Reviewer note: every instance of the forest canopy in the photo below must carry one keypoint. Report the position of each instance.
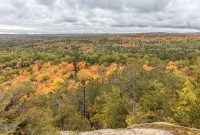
(79, 83)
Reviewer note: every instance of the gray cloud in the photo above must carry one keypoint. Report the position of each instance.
(46, 2)
(72, 16)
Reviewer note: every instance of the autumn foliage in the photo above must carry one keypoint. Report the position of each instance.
(84, 83)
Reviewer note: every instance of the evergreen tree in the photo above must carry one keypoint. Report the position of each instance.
(115, 109)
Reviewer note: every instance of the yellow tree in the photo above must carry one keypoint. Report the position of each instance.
(187, 97)
(84, 75)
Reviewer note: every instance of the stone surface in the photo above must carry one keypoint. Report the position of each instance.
(134, 131)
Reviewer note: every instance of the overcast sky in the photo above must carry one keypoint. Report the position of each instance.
(99, 16)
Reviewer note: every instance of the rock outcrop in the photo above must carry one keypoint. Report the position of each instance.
(134, 131)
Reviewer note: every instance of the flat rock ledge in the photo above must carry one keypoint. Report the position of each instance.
(134, 131)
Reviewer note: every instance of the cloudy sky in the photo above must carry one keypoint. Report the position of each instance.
(99, 16)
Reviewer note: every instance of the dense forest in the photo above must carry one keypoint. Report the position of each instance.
(59, 83)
